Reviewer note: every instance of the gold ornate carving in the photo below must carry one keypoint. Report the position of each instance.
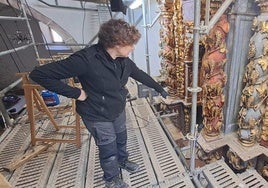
(264, 133)
(253, 114)
(166, 44)
(264, 171)
(263, 4)
(214, 78)
(264, 27)
(209, 157)
(214, 6)
(237, 162)
(179, 47)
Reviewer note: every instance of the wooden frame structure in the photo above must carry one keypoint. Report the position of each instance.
(33, 98)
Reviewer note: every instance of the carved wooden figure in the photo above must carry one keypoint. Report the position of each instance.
(214, 78)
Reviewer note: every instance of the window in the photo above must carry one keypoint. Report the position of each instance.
(55, 36)
(52, 39)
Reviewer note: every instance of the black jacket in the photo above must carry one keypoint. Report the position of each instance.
(99, 77)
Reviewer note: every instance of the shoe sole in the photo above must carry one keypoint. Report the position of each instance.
(134, 171)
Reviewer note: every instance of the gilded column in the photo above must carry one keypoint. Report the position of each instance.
(179, 48)
(253, 115)
(213, 76)
(167, 44)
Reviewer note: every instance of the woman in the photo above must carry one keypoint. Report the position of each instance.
(103, 71)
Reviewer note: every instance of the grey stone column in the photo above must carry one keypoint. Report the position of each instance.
(241, 18)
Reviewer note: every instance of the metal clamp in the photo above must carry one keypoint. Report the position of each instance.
(191, 137)
(194, 90)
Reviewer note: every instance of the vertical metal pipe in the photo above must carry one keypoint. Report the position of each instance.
(207, 12)
(149, 10)
(30, 30)
(146, 44)
(197, 7)
(131, 20)
(146, 37)
(6, 118)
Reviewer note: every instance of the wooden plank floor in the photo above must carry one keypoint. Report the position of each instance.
(65, 165)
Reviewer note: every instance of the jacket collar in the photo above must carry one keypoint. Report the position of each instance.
(107, 60)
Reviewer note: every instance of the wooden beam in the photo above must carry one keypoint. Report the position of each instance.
(3, 182)
(27, 156)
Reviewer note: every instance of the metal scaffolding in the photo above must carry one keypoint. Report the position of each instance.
(6, 117)
(198, 28)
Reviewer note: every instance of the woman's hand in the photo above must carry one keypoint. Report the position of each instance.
(83, 96)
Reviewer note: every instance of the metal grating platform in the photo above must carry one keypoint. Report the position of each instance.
(252, 179)
(64, 165)
(34, 173)
(17, 140)
(138, 153)
(94, 172)
(218, 174)
(69, 167)
(162, 156)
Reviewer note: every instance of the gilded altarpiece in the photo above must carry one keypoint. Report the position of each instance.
(176, 42)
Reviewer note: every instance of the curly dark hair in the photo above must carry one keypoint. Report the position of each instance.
(117, 32)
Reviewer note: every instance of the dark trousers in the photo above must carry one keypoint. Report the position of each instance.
(111, 139)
